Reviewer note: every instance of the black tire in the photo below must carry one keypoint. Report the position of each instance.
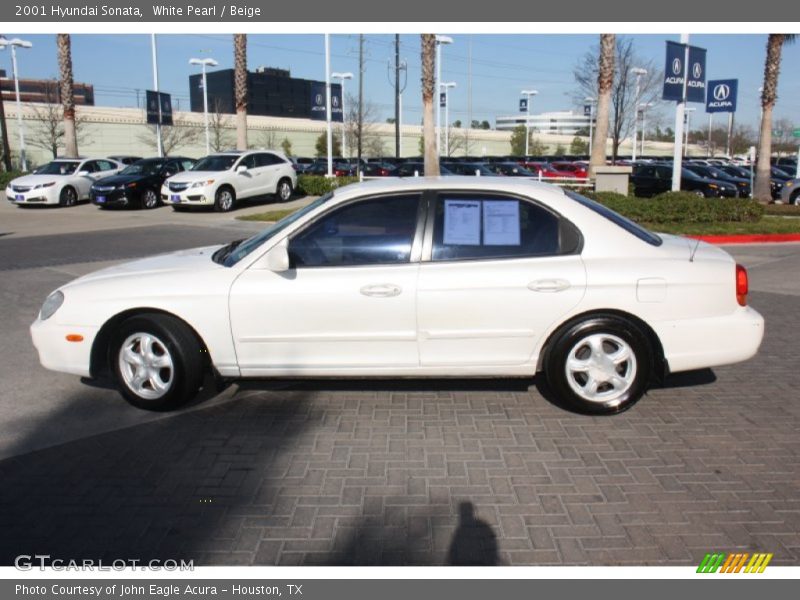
(225, 199)
(68, 196)
(178, 342)
(284, 191)
(149, 199)
(573, 338)
(795, 198)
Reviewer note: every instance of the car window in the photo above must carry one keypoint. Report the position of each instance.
(186, 164)
(468, 226)
(616, 218)
(267, 159)
(90, 166)
(368, 232)
(105, 165)
(248, 161)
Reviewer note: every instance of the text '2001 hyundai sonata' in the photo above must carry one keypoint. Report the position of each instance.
(444, 277)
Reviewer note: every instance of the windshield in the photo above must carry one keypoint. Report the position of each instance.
(215, 162)
(250, 244)
(150, 167)
(58, 167)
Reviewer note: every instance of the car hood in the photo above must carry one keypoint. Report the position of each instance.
(192, 176)
(121, 179)
(193, 261)
(31, 180)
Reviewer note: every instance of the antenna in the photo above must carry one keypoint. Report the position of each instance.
(694, 250)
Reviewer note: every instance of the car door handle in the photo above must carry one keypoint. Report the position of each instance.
(382, 290)
(549, 285)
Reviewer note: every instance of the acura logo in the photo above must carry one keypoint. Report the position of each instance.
(335, 102)
(721, 92)
(318, 99)
(697, 70)
(676, 66)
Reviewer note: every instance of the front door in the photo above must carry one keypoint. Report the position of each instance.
(348, 303)
(501, 272)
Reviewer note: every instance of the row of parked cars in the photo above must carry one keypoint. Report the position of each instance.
(219, 180)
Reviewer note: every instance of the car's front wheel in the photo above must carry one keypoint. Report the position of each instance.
(795, 198)
(224, 200)
(149, 199)
(599, 365)
(68, 196)
(284, 191)
(157, 362)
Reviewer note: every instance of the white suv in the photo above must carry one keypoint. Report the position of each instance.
(223, 178)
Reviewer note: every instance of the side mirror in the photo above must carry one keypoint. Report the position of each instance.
(167, 173)
(278, 258)
(83, 173)
(241, 169)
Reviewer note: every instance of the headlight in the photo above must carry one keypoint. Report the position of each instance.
(44, 185)
(131, 184)
(198, 184)
(713, 186)
(51, 305)
(789, 183)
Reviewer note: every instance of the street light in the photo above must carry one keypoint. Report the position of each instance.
(528, 94)
(341, 77)
(441, 40)
(203, 63)
(446, 87)
(592, 101)
(643, 106)
(688, 113)
(14, 44)
(638, 71)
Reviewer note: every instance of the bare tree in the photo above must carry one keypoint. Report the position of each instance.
(49, 131)
(240, 88)
(181, 134)
(364, 135)
(611, 78)
(64, 44)
(428, 43)
(219, 125)
(268, 138)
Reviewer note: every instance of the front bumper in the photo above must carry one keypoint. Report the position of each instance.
(114, 197)
(711, 342)
(56, 353)
(33, 196)
(191, 196)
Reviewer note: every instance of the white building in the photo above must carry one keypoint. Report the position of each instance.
(565, 122)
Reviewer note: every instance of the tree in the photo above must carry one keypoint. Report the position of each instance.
(366, 134)
(64, 45)
(486, 125)
(219, 125)
(48, 130)
(612, 76)
(181, 134)
(240, 88)
(321, 146)
(560, 150)
(783, 142)
(518, 143)
(772, 67)
(286, 146)
(428, 43)
(457, 143)
(578, 146)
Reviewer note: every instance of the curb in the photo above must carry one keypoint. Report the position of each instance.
(764, 238)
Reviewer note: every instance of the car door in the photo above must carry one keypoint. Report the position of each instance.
(247, 182)
(86, 174)
(644, 181)
(348, 303)
(497, 273)
(273, 169)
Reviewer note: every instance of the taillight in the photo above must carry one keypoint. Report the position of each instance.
(742, 285)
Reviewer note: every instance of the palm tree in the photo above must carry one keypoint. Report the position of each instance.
(240, 88)
(772, 66)
(428, 79)
(605, 83)
(67, 98)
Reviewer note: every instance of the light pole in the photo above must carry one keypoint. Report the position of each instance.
(441, 40)
(14, 43)
(528, 94)
(592, 101)
(341, 77)
(688, 112)
(638, 71)
(159, 147)
(643, 106)
(446, 87)
(677, 154)
(203, 63)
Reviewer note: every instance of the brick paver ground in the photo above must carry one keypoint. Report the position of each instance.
(433, 473)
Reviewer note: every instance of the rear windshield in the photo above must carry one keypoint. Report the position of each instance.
(616, 218)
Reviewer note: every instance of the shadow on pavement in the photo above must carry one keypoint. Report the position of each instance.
(393, 385)
(474, 542)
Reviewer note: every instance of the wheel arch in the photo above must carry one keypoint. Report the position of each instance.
(99, 358)
(660, 363)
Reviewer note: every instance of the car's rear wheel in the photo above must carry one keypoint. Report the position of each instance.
(599, 365)
(68, 196)
(149, 199)
(224, 200)
(284, 191)
(157, 362)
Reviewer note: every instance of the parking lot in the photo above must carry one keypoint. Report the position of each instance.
(358, 472)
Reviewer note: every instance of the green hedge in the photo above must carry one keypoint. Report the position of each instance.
(7, 176)
(783, 210)
(682, 207)
(317, 185)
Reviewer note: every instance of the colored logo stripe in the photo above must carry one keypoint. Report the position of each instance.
(734, 563)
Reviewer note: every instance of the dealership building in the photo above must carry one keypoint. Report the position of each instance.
(43, 90)
(564, 122)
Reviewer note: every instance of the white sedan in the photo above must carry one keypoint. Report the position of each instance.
(64, 181)
(442, 277)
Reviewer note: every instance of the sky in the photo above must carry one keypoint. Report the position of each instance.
(118, 65)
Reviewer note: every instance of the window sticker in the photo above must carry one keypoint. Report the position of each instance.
(462, 222)
(501, 223)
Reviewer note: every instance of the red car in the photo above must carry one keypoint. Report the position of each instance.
(576, 169)
(545, 169)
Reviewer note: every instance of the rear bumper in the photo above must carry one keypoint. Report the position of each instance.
(711, 342)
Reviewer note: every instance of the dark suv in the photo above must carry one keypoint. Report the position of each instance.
(651, 180)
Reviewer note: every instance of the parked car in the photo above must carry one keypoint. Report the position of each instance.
(510, 169)
(545, 169)
(339, 169)
(221, 180)
(776, 183)
(790, 194)
(125, 159)
(302, 163)
(138, 184)
(376, 169)
(710, 172)
(650, 180)
(410, 169)
(64, 181)
(469, 168)
(576, 170)
(512, 278)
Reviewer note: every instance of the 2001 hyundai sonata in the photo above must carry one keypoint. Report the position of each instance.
(447, 277)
